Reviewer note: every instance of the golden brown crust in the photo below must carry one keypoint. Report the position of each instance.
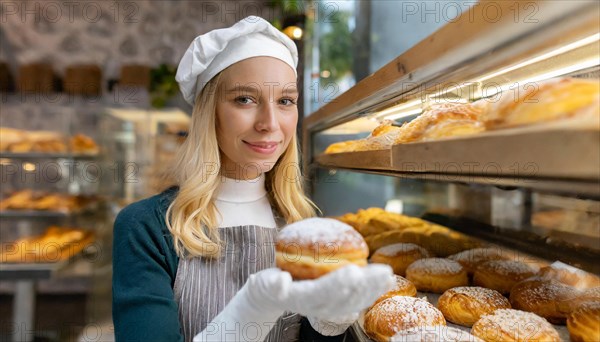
(501, 275)
(437, 114)
(569, 275)
(469, 259)
(311, 248)
(584, 323)
(399, 256)
(436, 274)
(55, 244)
(542, 297)
(398, 313)
(508, 325)
(546, 101)
(402, 287)
(465, 305)
(579, 298)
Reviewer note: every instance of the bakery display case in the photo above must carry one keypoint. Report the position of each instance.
(53, 200)
(485, 135)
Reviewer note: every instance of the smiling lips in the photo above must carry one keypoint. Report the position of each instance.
(263, 147)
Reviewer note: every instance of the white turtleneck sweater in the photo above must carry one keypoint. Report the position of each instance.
(244, 202)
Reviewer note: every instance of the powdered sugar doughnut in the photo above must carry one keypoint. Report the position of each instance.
(542, 298)
(402, 287)
(398, 313)
(313, 247)
(506, 325)
(436, 274)
(502, 275)
(465, 305)
(469, 259)
(438, 333)
(399, 256)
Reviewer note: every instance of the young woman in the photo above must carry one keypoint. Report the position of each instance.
(196, 261)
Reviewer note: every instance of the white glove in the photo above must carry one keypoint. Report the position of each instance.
(333, 326)
(253, 311)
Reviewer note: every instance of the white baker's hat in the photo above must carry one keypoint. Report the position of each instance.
(214, 51)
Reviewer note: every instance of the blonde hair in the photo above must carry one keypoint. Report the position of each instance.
(192, 216)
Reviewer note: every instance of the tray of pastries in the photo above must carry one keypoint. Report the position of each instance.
(21, 142)
(452, 288)
(56, 244)
(30, 201)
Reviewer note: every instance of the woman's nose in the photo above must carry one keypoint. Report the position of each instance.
(267, 118)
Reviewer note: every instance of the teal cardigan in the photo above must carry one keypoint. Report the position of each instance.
(144, 270)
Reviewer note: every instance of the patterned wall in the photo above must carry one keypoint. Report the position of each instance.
(111, 33)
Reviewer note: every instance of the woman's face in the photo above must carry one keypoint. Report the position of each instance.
(256, 115)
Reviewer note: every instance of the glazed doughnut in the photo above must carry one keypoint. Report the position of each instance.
(402, 287)
(501, 275)
(398, 313)
(506, 325)
(436, 274)
(569, 275)
(469, 259)
(313, 247)
(584, 323)
(542, 298)
(465, 305)
(438, 333)
(399, 256)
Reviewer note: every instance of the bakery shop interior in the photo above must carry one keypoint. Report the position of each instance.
(300, 170)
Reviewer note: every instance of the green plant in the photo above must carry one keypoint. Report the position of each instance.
(162, 85)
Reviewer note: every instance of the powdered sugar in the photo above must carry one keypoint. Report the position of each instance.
(436, 333)
(408, 312)
(484, 296)
(320, 231)
(517, 323)
(436, 266)
(509, 267)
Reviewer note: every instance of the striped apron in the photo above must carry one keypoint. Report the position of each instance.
(203, 287)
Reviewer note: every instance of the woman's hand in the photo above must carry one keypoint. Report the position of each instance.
(268, 293)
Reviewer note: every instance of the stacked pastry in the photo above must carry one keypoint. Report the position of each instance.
(20, 141)
(563, 98)
(55, 244)
(381, 228)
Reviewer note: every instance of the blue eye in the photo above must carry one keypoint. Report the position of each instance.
(244, 100)
(287, 102)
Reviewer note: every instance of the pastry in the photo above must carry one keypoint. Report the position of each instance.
(508, 325)
(542, 298)
(437, 333)
(453, 128)
(436, 274)
(542, 102)
(398, 313)
(465, 305)
(569, 275)
(378, 241)
(469, 259)
(313, 247)
(436, 115)
(577, 299)
(584, 323)
(402, 287)
(399, 256)
(502, 275)
(55, 244)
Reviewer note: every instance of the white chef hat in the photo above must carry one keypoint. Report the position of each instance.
(214, 51)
